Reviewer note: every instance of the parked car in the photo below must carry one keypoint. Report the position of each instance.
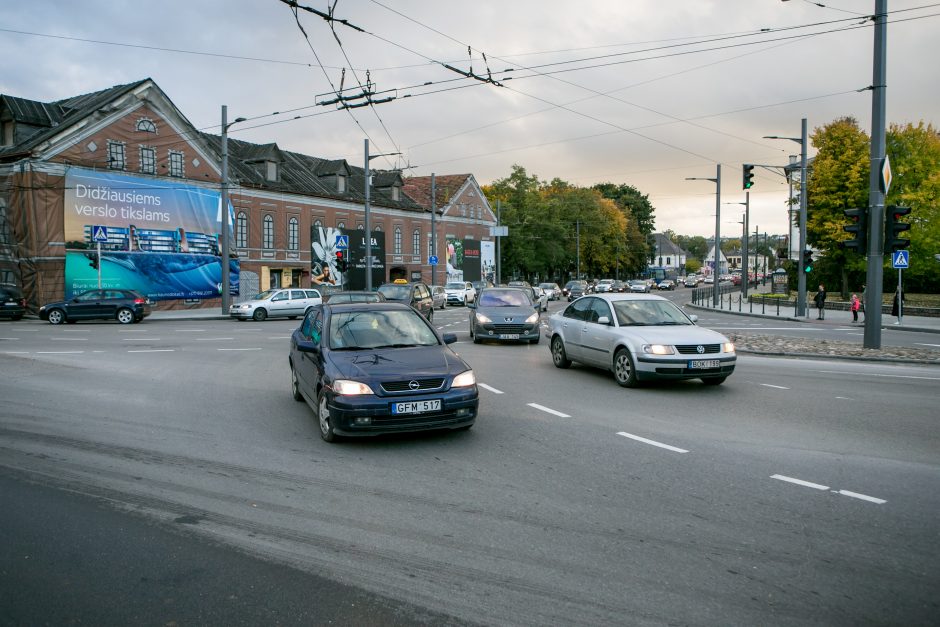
(439, 296)
(12, 303)
(504, 313)
(667, 284)
(639, 338)
(416, 295)
(277, 303)
(638, 286)
(552, 289)
(603, 286)
(690, 281)
(577, 290)
(354, 296)
(125, 306)
(371, 368)
(460, 292)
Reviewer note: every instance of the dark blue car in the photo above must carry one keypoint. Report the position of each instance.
(373, 368)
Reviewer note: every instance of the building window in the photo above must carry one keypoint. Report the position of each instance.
(117, 157)
(341, 225)
(241, 230)
(397, 248)
(377, 227)
(7, 128)
(267, 232)
(341, 183)
(416, 242)
(317, 225)
(270, 170)
(148, 160)
(147, 126)
(292, 231)
(176, 163)
(396, 193)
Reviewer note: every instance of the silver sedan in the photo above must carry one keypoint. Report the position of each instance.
(638, 338)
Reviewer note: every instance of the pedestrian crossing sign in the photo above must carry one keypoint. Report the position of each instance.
(100, 234)
(900, 260)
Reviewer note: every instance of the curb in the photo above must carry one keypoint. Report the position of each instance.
(894, 360)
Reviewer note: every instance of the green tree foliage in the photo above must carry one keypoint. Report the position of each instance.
(544, 218)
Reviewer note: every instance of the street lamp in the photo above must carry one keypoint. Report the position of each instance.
(368, 183)
(226, 298)
(717, 182)
(801, 274)
(745, 275)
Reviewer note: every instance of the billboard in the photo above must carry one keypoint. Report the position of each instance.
(471, 260)
(488, 260)
(163, 238)
(453, 256)
(323, 255)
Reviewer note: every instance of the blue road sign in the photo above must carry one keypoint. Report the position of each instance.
(342, 242)
(432, 260)
(900, 260)
(99, 233)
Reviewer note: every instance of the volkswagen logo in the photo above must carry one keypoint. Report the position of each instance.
(700, 349)
(414, 385)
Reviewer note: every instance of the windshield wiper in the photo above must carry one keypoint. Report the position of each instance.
(352, 348)
(397, 345)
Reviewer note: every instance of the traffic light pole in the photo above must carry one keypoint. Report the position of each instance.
(876, 197)
(801, 274)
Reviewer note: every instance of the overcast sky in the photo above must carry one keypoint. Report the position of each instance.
(643, 92)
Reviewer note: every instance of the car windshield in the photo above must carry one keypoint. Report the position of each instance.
(354, 298)
(263, 295)
(455, 286)
(547, 286)
(360, 330)
(648, 313)
(395, 292)
(504, 298)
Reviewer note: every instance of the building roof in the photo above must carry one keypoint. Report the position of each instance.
(446, 186)
(666, 246)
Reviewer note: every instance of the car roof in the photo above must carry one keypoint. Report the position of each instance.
(387, 305)
(626, 296)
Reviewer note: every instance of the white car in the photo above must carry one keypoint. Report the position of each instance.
(639, 286)
(638, 338)
(541, 298)
(552, 289)
(277, 303)
(460, 292)
(603, 286)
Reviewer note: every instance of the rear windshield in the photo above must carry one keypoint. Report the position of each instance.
(395, 292)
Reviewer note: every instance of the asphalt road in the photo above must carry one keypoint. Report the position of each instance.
(800, 491)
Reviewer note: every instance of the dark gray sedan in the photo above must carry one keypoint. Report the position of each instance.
(504, 313)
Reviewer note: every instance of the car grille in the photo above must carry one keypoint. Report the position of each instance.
(509, 328)
(405, 386)
(692, 349)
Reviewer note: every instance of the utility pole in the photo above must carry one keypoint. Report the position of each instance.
(577, 228)
(716, 293)
(226, 280)
(433, 227)
(498, 238)
(367, 183)
(876, 197)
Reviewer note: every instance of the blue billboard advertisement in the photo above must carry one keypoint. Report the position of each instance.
(162, 238)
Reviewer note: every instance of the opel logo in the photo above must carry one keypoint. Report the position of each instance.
(414, 385)
(700, 349)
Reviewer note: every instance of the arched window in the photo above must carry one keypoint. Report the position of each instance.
(416, 242)
(267, 232)
(397, 248)
(293, 228)
(146, 126)
(341, 225)
(241, 230)
(317, 225)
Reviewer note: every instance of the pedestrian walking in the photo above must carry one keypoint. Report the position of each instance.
(863, 299)
(820, 300)
(896, 305)
(855, 306)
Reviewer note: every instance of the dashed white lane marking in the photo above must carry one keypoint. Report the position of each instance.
(806, 484)
(864, 497)
(776, 387)
(59, 352)
(9, 338)
(279, 337)
(16, 352)
(238, 349)
(843, 398)
(888, 376)
(817, 486)
(141, 339)
(675, 449)
(490, 388)
(213, 339)
(189, 330)
(931, 345)
(548, 410)
(69, 339)
(153, 350)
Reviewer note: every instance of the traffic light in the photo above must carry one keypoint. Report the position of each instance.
(748, 176)
(858, 226)
(340, 261)
(893, 228)
(807, 261)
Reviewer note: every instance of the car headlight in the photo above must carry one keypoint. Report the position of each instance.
(464, 380)
(244, 306)
(533, 318)
(483, 319)
(728, 347)
(351, 388)
(659, 349)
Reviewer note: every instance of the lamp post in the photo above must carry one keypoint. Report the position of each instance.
(367, 181)
(717, 182)
(226, 298)
(801, 274)
(744, 243)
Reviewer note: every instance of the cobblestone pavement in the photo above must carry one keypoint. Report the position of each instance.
(762, 344)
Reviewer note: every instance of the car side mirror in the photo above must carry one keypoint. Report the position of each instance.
(450, 338)
(306, 346)
(603, 320)
(693, 317)
(472, 305)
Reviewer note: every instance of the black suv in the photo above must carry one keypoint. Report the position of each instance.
(12, 303)
(416, 294)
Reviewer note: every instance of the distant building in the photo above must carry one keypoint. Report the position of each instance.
(667, 254)
(709, 265)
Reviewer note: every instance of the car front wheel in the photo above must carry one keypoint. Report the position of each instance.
(295, 385)
(56, 316)
(323, 417)
(559, 356)
(624, 371)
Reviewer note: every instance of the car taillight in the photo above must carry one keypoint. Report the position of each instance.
(22, 302)
(140, 301)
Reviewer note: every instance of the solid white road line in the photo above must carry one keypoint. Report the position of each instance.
(490, 388)
(873, 374)
(778, 387)
(238, 349)
(931, 345)
(653, 442)
(548, 410)
(807, 484)
(864, 497)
